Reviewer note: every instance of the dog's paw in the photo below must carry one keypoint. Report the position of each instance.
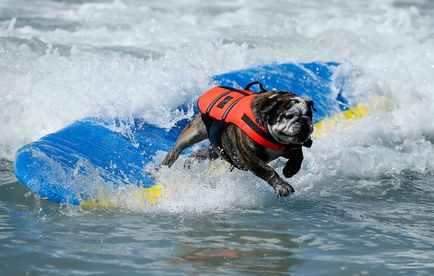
(189, 162)
(291, 170)
(289, 174)
(170, 159)
(283, 190)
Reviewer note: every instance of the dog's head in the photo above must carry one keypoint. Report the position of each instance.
(287, 117)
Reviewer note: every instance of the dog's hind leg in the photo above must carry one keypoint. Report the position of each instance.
(193, 133)
(202, 154)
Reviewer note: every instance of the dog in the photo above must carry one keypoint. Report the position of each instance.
(280, 123)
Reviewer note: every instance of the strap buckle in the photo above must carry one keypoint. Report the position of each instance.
(308, 143)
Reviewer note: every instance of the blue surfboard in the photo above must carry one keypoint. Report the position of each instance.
(77, 162)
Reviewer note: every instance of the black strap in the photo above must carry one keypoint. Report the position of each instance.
(208, 110)
(255, 128)
(229, 108)
(308, 143)
(230, 89)
(262, 90)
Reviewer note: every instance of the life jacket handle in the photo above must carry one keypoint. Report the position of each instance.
(262, 90)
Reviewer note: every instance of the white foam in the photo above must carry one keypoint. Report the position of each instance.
(43, 93)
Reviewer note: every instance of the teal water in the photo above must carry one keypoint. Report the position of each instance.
(364, 202)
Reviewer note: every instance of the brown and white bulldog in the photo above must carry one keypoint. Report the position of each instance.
(286, 118)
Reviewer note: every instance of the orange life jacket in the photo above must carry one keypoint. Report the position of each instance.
(234, 106)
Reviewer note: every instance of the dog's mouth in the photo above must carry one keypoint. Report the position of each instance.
(284, 134)
(299, 137)
(295, 133)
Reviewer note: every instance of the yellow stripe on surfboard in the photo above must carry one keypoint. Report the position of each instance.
(139, 197)
(345, 118)
(331, 122)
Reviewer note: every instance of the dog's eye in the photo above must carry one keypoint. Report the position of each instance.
(289, 116)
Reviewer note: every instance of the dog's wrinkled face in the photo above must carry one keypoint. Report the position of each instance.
(288, 117)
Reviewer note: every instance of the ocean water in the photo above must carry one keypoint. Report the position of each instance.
(364, 203)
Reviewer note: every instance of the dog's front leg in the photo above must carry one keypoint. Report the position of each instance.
(293, 165)
(193, 133)
(264, 171)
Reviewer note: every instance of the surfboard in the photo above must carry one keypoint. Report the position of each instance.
(90, 157)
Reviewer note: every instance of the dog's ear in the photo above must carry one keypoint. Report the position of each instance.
(268, 104)
(310, 104)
